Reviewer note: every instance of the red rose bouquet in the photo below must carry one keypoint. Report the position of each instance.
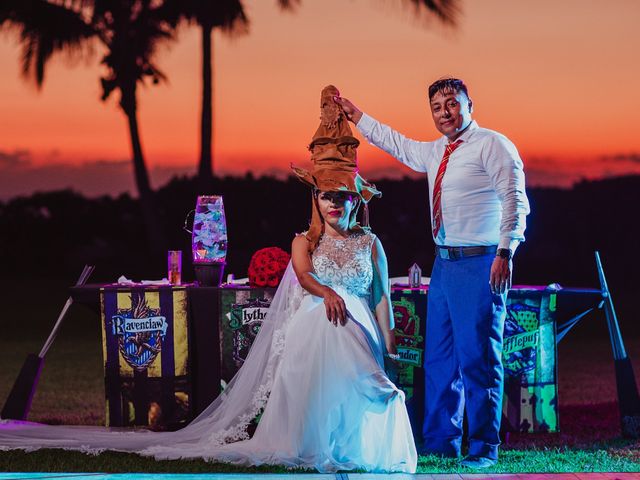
(267, 267)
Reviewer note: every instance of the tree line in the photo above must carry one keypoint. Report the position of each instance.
(52, 235)
(53, 232)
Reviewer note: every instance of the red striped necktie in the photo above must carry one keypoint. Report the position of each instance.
(437, 188)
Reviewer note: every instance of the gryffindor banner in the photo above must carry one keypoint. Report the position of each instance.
(410, 313)
(145, 349)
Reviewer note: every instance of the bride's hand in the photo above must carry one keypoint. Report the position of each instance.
(336, 309)
(391, 359)
(390, 343)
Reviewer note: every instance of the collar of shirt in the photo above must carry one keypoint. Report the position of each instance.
(465, 135)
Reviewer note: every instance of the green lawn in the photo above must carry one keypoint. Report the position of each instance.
(71, 391)
(610, 457)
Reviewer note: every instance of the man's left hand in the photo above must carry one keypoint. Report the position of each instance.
(500, 278)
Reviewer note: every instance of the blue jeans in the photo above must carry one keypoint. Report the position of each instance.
(463, 364)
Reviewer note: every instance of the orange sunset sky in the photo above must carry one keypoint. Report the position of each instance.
(559, 78)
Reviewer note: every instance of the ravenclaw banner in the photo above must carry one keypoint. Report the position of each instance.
(145, 348)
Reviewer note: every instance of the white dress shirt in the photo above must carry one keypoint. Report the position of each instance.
(483, 195)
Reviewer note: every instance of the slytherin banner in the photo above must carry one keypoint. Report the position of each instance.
(146, 352)
(241, 315)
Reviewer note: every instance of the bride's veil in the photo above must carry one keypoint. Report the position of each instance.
(227, 417)
(225, 420)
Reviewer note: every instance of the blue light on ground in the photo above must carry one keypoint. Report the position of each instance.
(227, 476)
(157, 476)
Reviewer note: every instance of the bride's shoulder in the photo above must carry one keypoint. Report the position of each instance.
(299, 240)
(366, 234)
(300, 236)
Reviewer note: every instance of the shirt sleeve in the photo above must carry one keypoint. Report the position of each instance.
(505, 168)
(412, 153)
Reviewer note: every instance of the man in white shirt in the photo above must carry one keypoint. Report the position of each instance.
(478, 209)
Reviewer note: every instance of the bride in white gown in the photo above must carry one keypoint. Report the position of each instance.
(315, 372)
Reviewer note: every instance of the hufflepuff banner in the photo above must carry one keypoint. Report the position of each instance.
(146, 353)
(529, 359)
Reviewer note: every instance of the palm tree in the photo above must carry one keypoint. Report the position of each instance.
(131, 30)
(128, 30)
(229, 17)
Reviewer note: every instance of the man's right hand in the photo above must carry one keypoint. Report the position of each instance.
(350, 110)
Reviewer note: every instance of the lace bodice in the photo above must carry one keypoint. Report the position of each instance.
(345, 262)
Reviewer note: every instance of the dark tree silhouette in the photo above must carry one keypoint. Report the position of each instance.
(128, 30)
(229, 17)
(444, 10)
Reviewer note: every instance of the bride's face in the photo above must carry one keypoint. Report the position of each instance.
(336, 207)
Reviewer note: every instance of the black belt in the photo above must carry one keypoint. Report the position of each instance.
(454, 253)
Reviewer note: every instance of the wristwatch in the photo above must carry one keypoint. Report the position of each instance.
(504, 253)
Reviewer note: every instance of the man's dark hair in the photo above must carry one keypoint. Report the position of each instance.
(447, 85)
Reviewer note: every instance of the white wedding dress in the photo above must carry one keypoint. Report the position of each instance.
(325, 399)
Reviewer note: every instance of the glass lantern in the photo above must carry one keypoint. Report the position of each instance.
(209, 240)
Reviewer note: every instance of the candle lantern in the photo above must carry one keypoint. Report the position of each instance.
(415, 276)
(209, 240)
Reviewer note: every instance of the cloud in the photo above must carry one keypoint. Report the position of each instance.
(543, 171)
(15, 159)
(623, 158)
(111, 163)
(393, 172)
(557, 172)
(542, 177)
(20, 176)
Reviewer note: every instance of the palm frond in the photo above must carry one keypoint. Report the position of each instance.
(447, 11)
(45, 28)
(226, 15)
(288, 4)
(133, 34)
(236, 21)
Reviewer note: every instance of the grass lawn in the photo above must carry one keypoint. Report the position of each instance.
(606, 457)
(71, 391)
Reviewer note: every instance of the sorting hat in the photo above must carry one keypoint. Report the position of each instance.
(335, 167)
